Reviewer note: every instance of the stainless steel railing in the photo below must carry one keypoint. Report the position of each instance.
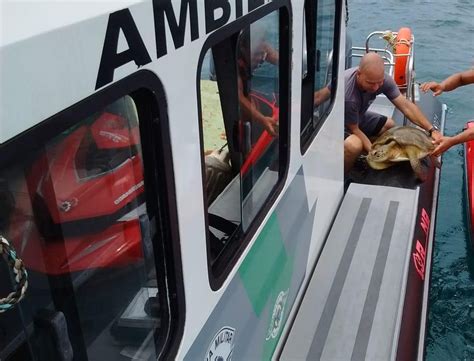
(389, 58)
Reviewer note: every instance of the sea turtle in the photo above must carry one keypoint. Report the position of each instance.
(400, 144)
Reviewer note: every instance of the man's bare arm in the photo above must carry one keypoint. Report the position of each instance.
(354, 128)
(415, 115)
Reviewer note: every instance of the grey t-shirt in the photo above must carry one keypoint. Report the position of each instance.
(357, 101)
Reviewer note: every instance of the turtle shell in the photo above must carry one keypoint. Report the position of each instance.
(407, 136)
(400, 144)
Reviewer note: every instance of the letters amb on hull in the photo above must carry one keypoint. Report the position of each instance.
(164, 17)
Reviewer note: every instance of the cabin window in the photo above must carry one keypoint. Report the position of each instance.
(243, 134)
(319, 65)
(77, 212)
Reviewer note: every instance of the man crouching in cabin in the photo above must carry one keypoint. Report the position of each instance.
(362, 85)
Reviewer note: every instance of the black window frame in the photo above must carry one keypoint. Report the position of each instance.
(307, 84)
(148, 94)
(226, 263)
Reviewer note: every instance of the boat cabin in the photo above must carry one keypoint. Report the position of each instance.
(172, 187)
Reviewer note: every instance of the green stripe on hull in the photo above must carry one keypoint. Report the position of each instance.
(266, 275)
(262, 268)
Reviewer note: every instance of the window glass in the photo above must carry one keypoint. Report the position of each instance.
(258, 87)
(318, 78)
(325, 29)
(240, 87)
(75, 212)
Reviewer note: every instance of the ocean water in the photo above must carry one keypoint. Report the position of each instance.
(444, 44)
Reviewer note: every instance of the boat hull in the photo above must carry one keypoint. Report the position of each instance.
(469, 180)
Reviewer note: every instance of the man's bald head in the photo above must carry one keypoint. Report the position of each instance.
(371, 72)
(371, 62)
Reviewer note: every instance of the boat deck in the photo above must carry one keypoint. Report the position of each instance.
(353, 305)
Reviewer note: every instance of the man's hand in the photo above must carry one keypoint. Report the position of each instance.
(270, 125)
(442, 145)
(366, 143)
(436, 135)
(437, 88)
(354, 129)
(321, 95)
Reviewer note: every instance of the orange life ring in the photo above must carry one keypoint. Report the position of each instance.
(402, 46)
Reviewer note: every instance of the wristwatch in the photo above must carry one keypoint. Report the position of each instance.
(434, 128)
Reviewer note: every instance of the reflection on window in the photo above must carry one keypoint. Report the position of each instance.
(240, 127)
(318, 80)
(324, 55)
(75, 212)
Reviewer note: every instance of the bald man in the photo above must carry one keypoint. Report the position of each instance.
(363, 84)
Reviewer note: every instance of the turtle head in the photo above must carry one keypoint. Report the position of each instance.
(380, 156)
(379, 153)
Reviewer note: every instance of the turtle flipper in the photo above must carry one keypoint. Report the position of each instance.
(435, 161)
(416, 166)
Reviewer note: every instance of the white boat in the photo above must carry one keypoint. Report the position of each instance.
(174, 192)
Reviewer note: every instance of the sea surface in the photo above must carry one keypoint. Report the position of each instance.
(444, 44)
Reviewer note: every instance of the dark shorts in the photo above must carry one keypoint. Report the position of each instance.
(371, 124)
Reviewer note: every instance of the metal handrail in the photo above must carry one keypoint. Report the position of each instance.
(372, 34)
(410, 72)
(385, 54)
(389, 61)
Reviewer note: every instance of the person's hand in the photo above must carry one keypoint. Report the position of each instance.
(321, 95)
(442, 145)
(316, 99)
(270, 125)
(435, 87)
(436, 135)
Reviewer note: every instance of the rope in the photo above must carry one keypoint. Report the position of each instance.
(403, 41)
(21, 276)
(390, 38)
(393, 41)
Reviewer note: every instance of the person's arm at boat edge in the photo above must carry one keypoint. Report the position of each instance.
(444, 143)
(450, 83)
(415, 115)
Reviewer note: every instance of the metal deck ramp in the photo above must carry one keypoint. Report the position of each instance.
(353, 304)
